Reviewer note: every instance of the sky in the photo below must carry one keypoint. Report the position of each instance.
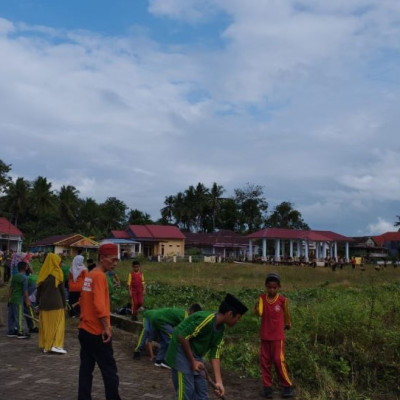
(138, 99)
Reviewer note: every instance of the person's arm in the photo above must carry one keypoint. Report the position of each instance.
(258, 308)
(106, 334)
(25, 289)
(195, 365)
(286, 314)
(219, 386)
(143, 284)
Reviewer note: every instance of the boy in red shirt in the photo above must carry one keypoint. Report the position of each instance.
(273, 309)
(136, 288)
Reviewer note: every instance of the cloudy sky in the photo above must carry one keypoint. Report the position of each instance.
(139, 99)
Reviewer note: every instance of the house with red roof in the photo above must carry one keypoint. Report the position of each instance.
(10, 236)
(224, 243)
(64, 244)
(155, 240)
(390, 241)
(293, 243)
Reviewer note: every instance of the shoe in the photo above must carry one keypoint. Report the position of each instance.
(58, 350)
(23, 336)
(12, 335)
(34, 330)
(46, 351)
(161, 363)
(268, 392)
(136, 355)
(287, 392)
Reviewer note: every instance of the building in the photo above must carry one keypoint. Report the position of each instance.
(10, 236)
(64, 244)
(154, 240)
(224, 243)
(389, 241)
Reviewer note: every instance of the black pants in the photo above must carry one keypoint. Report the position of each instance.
(93, 350)
(74, 298)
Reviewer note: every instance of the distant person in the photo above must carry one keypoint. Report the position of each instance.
(29, 309)
(200, 334)
(95, 328)
(353, 262)
(17, 296)
(77, 275)
(164, 321)
(50, 297)
(137, 289)
(273, 309)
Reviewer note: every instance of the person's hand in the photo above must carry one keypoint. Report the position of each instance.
(219, 389)
(106, 335)
(197, 366)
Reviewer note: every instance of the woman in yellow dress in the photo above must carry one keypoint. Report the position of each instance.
(51, 301)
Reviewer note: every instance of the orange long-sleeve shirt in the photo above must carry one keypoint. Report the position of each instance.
(94, 302)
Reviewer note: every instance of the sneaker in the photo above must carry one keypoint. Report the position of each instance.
(23, 336)
(136, 355)
(12, 335)
(161, 363)
(268, 392)
(287, 392)
(58, 350)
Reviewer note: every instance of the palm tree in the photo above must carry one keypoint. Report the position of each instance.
(17, 199)
(167, 211)
(215, 201)
(43, 198)
(68, 204)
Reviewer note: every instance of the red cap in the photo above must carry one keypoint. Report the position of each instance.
(108, 249)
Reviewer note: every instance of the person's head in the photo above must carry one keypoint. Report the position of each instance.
(22, 266)
(272, 284)
(232, 309)
(108, 256)
(135, 265)
(194, 308)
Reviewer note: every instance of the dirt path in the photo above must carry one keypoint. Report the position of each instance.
(26, 373)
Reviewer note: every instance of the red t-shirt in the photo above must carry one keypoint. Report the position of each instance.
(274, 316)
(94, 302)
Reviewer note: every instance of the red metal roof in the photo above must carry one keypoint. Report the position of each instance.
(120, 234)
(386, 237)
(315, 236)
(155, 232)
(7, 228)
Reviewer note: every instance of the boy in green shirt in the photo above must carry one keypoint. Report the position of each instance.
(193, 338)
(17, 293)
(164, 320)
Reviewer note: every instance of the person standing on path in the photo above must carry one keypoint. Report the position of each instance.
(50, 297)
(95, 328)
(137, 289)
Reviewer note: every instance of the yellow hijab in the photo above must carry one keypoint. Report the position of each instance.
(51, 266)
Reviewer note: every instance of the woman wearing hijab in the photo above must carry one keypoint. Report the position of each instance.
(51, 300)
(77, 275)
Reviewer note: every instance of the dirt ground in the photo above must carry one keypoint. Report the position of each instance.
(26, 373)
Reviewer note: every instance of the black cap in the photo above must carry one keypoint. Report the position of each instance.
(273, 276)
(235, 303)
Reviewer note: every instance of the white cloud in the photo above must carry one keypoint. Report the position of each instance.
(380, 226)
(301, 98)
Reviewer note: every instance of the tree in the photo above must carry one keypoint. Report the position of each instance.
(137, 217)
(215, 202)
(112, 214)
(17, 199)
(252, 207)
(4, 178)
(167, 214)
(68, 206)
(228, 215)
(88, 219)
(285, 216)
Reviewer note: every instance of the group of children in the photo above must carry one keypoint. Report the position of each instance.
(186, 336)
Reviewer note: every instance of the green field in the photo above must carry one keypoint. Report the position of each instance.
(345, 336)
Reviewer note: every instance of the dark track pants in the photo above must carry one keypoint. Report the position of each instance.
(93, 350)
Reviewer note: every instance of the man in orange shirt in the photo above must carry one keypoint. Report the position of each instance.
(95, 328)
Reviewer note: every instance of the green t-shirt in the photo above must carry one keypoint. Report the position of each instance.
(203, 335)
(170, 316)
(19, 284)
(65, 270)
